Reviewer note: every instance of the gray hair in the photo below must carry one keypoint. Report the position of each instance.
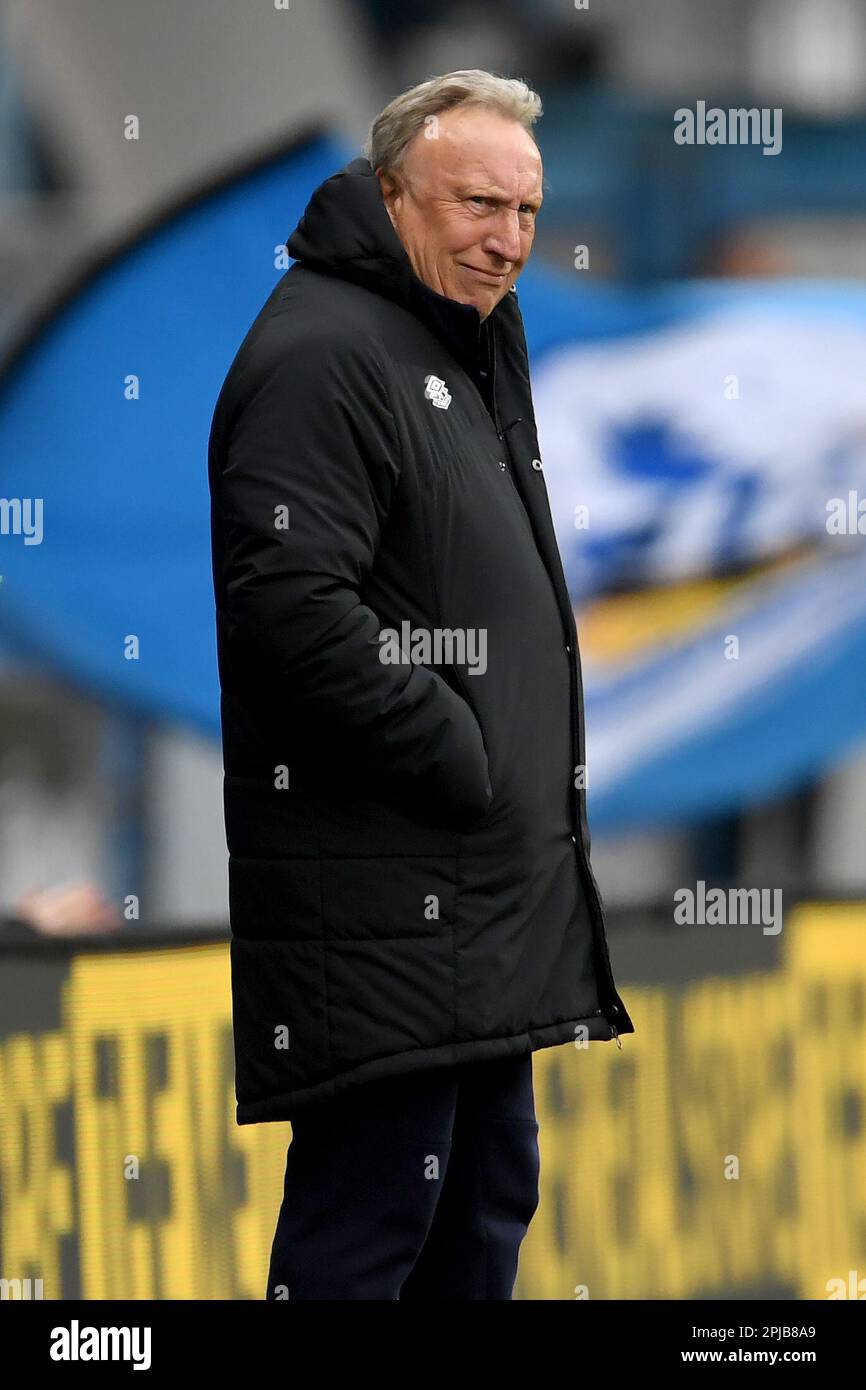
(399, 123)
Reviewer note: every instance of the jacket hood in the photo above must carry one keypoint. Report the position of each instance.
(346, 232)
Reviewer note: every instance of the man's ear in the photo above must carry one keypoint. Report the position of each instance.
(390, 191)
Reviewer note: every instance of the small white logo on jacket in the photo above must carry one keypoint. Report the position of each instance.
(436, 391)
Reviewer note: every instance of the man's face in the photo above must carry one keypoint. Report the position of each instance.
(464, 204)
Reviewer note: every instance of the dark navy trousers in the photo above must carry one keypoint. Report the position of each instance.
(419, 1186)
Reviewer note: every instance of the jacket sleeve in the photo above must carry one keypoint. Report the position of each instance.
(315, 437)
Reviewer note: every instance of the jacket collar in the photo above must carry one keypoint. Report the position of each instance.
(458, 326)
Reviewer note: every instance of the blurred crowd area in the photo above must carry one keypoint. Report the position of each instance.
(107, 820)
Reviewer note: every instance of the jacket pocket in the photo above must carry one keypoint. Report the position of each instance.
(472, 819)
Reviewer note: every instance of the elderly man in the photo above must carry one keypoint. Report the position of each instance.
(412, 906)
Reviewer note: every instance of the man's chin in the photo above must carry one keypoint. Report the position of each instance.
(484, 303)
(491, 303)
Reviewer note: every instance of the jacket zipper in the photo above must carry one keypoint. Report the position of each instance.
(500, 432)
(587, 874)
(577, 682)
(600, 1013)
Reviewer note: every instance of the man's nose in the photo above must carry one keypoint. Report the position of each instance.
(503, 239)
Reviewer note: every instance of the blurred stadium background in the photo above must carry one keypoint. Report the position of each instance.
(696, 317)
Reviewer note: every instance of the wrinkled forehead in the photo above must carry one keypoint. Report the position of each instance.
(475, 147)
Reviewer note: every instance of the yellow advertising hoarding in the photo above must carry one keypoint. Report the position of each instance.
(722, 1152)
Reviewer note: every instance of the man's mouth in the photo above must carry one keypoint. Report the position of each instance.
(493, 277)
